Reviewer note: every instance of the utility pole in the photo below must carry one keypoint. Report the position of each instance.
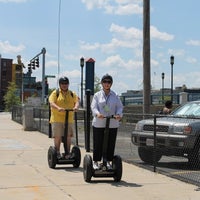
(146, 58)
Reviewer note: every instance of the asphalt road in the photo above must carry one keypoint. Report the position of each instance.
(176, 167)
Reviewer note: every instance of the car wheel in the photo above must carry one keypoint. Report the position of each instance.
(147, 155)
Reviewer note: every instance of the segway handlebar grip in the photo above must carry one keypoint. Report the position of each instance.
(111, 116)
(69, 110)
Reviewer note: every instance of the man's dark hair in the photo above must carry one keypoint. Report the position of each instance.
(168, 104)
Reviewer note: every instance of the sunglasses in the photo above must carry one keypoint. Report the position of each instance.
(64, 83)
(107, 81)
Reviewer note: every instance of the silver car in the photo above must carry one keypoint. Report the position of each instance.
(177, 134)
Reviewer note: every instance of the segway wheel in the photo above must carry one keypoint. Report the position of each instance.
(117, 167)
(52, 157)
(77, 156)
(87, 168)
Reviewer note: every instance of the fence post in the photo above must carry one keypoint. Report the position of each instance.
(76, 128)
(155, 144)
(87, 141)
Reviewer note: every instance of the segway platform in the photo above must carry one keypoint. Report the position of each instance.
(74, 159)
(115, 172)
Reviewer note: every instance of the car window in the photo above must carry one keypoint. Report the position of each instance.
(188, 109)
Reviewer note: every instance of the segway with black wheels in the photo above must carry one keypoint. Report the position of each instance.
(116, 167)
(75, 154)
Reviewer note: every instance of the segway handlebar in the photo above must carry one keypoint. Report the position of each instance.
(68, 110)
(110, 117)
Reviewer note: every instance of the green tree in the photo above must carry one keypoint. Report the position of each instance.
(97, 84)
(11, 98)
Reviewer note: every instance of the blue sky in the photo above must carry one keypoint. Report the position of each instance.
(110, 32)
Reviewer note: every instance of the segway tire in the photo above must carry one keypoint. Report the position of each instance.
(117, 167)
(77, 156)
(52, 157)
(87, 168)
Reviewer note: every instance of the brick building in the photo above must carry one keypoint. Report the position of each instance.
(26, 85)
(5, 77)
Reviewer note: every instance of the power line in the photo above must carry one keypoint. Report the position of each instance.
(59, 12)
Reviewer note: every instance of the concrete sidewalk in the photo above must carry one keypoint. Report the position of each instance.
(25, 175)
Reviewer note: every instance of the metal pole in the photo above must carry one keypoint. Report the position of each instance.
(81, 86)
(146, 57)
(172, 62)
(87, 142)
(82, 65)
(22, 87)
(163, 76)
(172, 82)
(43, 74)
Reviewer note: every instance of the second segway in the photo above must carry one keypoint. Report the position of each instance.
(75, 154)
(116, 167)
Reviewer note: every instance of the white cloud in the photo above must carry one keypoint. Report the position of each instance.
(117, 7)
(119, 63)
(126, 33)
(191, 60)
(128, 9)
(90, 4)
(156, 34)
(52, 63)
(122, 37)
(14, 1)
(89, 47)
(176, 52)
(6, 47)
(193, 42)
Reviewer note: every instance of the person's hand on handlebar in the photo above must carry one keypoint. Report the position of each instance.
(75, 109)
(60, 109)
(118, 117)
(100, 116)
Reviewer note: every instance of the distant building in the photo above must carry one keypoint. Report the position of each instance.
(132, 97)
(26, 85)
(5, 77)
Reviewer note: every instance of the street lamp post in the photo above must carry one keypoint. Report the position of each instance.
(82, 65)
(163, 76)
(172, 63)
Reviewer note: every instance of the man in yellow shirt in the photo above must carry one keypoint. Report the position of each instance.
(65, 99)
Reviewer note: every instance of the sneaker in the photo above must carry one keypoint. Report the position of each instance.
(68, 156)
(109, 166)
(95, 165)
(59, 155)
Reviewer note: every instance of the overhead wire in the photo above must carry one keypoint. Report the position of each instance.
(59, 13)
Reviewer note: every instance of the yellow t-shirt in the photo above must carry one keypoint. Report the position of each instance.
(66, 101)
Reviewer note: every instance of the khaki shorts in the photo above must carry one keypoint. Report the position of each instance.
(58, 129)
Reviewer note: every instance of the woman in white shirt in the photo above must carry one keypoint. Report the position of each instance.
(105, 103)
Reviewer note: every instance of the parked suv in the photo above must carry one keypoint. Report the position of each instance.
(177, 134)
